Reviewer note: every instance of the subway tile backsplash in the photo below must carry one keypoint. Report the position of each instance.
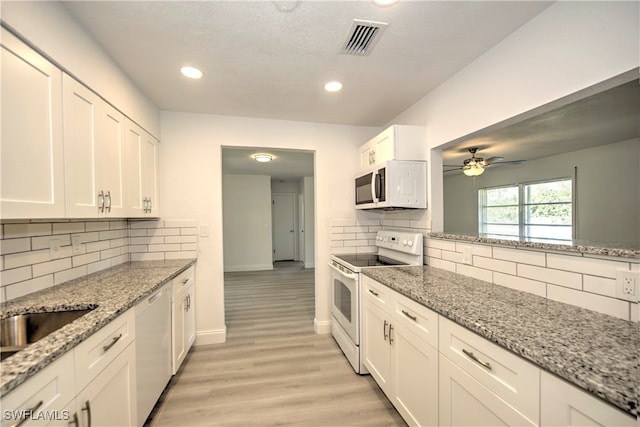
(583, 280)
(38, 254)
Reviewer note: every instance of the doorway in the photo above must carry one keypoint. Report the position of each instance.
(284, 226)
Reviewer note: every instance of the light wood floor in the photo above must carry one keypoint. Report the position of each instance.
(273, 369)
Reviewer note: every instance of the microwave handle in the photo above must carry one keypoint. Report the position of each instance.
(374, 191)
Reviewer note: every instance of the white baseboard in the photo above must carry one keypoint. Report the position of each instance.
(310, 265)
(251, 267)
(215, 336)
(322, 327)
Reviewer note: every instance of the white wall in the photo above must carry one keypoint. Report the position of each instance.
(309, 222)
(246, 201)
(568, 47)
(51, 28)
(191, 186)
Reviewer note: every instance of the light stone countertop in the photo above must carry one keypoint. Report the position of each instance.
(596, 352)
(111, 292)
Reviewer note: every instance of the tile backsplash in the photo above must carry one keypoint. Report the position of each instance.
(35, 254)
(586, 281)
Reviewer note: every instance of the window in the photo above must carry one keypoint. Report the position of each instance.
(531, 211)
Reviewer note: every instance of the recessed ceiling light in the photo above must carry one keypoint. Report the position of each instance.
(263, 157)
(191, 72)
(333, 86)
(384, 3)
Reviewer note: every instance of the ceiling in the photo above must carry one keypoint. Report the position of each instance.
(607, 116)
(287, 165)
(270, 59)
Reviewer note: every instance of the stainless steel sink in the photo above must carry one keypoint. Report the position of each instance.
(18, 331)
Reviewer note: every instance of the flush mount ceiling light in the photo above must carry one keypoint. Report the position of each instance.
(191, 72)
(262, 157)
(333, 86)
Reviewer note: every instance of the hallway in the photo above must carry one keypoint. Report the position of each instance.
(273, 369)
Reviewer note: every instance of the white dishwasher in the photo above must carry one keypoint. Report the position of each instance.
(153, 349)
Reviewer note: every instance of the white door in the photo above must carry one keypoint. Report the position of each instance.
(283, 226)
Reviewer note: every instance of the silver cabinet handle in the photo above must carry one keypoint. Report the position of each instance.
(87, 408)
(101, 201)
(28, 414)
(475, 359)
(75, 421)
(150, 204)
(145, 204)
(384, 330)
(406, 313)
(111, 344)
(373, 292)
(186, 303)
(374, 157)
(108, 197)
(390, 336)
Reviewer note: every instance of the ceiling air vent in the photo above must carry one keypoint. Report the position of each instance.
(362, 36)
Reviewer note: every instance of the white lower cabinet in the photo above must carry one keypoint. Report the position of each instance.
(464, 401)
(43, 399)
(403, 362)
(564, 404)
(183, 323)
(110, 398)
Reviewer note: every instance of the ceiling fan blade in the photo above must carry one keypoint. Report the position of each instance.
(509, 163)
(493, 160)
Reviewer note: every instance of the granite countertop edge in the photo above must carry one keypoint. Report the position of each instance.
(109, 293)
(575, 359)
(607, 249)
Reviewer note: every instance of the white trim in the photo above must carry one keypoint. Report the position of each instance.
(214, 336)
(322, 327)
(250, 267)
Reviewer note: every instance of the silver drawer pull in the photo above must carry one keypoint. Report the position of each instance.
(87, 407)
(112, 343)
(475, 359)
(373, 292)
(406, 313)
(28, 414)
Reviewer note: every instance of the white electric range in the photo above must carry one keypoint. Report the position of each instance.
(394, 248)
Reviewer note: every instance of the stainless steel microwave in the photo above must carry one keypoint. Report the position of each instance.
(396, 184)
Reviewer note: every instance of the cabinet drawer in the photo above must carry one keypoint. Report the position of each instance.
(94, 354)
(376, 292)
(45, 395)
(417, 319)
(183, 280)
(510, 377)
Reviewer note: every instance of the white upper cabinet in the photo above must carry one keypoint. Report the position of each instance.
(397, 142)
(141, 167)
(94, 135)
(32, 174)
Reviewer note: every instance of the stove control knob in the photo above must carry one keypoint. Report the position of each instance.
(404, 243)
(410, 243)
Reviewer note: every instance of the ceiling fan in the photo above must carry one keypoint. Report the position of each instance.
(475, 166)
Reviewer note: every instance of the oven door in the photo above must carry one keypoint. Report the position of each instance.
(344, 306)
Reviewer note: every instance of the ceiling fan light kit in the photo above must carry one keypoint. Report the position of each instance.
(472, 170)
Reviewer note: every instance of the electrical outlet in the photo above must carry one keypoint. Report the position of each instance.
(76, 245)
(467, 256)
(54, 248)
(627, 283)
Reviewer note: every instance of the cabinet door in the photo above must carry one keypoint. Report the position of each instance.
(133, 170)
(377, 349)
(149, 173)
(415, 372)
(179, 350)
(465, 402)
(190, 318)
(110, 399)
(32, 164)
(80, 149)
(110, 137)
(384, 146)
(41, 400)
(566, 405)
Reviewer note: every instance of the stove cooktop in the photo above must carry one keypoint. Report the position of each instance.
(367, 260)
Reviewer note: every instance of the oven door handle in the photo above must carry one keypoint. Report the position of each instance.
(342, 273)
